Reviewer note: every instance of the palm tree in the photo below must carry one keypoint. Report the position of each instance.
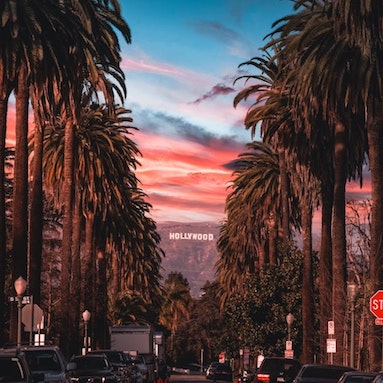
(358, 25)
(307, 38)
(272, 113)
(112, 208)
(177, 304)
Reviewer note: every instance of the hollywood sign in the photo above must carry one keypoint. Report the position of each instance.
(192, 236)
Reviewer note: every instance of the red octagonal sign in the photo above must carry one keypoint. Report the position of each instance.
(376, 304)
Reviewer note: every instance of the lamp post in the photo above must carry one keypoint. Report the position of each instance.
(289, 320)
(86, 317)
(351, 292)
(20, 287)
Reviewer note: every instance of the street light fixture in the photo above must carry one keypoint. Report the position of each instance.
(351, 293)
(20, 285)
(86, 317)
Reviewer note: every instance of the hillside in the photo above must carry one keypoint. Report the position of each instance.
(190, 249)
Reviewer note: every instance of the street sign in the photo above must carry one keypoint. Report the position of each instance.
(289, 354)
(331, 327)
(331, 346)
(27, 317)
(379, 321)
(376, 304)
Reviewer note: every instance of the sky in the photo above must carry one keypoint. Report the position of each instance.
(180, 69)
(180, 73)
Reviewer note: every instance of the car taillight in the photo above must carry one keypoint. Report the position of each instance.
(263, 377)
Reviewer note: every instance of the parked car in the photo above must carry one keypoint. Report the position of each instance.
(119, 362)
(91, 368)
(378, 378)
(247, 376)
(140, 362)
(47, 360)
(180, 370)
(357, 377)
(321, 373)
(223, 372)
(150, 361)
(210, 370)
(14, 368)
(277, 370)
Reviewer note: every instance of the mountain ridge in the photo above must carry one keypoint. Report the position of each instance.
(190, 248)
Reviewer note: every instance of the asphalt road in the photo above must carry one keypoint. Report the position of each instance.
(192, 378)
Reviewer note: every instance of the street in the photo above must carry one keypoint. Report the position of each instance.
(187, 378)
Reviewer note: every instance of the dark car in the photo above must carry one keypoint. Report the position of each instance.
(14, 368)
(120, 363)
(277, 370)
(357, 377)
(48, 360)
(210, 370)
(91, 368)
(378, 377)
(223, 372)
(321, 373)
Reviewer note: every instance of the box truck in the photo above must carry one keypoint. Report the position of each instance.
(133, 339)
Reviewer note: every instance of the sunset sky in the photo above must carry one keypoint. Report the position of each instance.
(180, 70)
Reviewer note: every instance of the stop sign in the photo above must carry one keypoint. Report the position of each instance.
(376, 304)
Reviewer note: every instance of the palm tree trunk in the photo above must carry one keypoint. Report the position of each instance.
(3, 124)
(273, 236)
(339, 292)
(375, 151)
(89, 280)
(115, 285)
(66, 324)
(284, 182)
(307, 284)
(325, 267)
(101, 324)
(76, 267)
(36, 213)
(20, 190)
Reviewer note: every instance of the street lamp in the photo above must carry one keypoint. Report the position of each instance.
(86, 317)
(20, 287)
(289, 319)
(351, 293)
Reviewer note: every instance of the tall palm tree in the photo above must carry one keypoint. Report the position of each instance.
(272, 112)
(102, 55)
(358, 24)
(112, 208)
(307, 38)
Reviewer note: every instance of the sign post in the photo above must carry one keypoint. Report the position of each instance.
(331, 342)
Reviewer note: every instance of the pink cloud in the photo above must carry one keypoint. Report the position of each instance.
(181, 183)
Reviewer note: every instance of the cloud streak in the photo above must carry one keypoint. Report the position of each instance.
(217, 90)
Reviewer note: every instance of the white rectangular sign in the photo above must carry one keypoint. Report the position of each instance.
(331, 346)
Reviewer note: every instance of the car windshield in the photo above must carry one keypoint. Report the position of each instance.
(11, 370)
(359, 379)
(115, 357)
(323, 373)
(91, 363)
(43, 360)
